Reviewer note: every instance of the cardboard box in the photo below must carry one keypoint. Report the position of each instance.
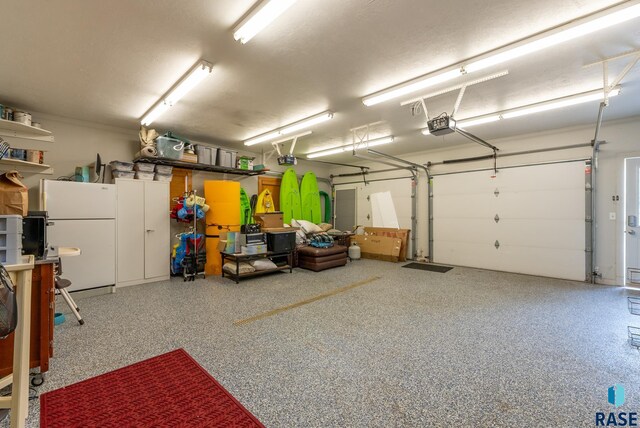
(269, 220)
(13, 194)
(393, 233)
(378, 247)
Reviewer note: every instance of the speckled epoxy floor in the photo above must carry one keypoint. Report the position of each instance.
(413, 348)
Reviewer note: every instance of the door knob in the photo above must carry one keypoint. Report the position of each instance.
(631, 232)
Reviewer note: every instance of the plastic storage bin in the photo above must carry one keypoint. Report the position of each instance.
(123, 174)
(141, 175)
(162, 177)
(281, 241)
(10, 256)
(169, 148)
(207, 155)
(164, 169)
(144, 167)
(11, 241)
(11, 223)
(226, 158)
(121, 166)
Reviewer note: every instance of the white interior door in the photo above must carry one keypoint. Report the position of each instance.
(527, 220)
(157, 251)
(632, 219)
(131, 232)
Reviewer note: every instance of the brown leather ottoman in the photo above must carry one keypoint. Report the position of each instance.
(317, 259)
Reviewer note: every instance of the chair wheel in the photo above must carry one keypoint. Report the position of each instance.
(37, 379)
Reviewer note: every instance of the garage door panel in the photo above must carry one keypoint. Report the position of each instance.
(545, 233)
(465, 205)
(478, 255)
(541, 227)
(466, 230)
(542, 261)
(565, 203)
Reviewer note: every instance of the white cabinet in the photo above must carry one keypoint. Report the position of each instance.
(144, 244)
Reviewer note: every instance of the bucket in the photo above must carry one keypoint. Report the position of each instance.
(22, 117)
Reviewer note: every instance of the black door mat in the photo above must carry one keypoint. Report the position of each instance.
(429, 267)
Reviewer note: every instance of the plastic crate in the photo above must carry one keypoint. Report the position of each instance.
(10, 256)
(144, 167)
(162, 177)
(11, 224)
(121, 166)
(169, 148)
(10, 241)
(141, 175)
(226, 158)
(633, 303)
(164, 169)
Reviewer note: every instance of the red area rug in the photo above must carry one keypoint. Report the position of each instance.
(170, 390)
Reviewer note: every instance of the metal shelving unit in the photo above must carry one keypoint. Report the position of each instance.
(198, 166)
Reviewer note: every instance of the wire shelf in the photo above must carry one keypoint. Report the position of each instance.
(634, 336)
(633, 303)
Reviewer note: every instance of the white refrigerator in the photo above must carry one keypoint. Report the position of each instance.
(83, 215)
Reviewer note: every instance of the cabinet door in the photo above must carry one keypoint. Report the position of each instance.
(131, 233)
(157, 251)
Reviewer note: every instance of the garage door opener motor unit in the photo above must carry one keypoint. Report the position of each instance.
(442, 125)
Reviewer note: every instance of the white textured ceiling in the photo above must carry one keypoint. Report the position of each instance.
(109, 61)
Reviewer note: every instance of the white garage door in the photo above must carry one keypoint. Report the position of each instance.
(527, 220)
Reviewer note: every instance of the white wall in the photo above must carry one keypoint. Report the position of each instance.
(77, 142)
(622, 140)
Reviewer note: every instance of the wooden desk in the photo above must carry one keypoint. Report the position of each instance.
(18, 402)
(42, 314)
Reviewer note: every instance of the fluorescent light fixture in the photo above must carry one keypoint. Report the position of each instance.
(265, 13)
(576, 28)
(571, 31)
(584, 97)
(409, 87)
(290, 129)
(348, 147)
(190, 80)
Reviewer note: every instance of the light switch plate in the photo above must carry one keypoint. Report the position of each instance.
(612, 216)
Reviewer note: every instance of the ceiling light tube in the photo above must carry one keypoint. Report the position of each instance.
(348, 147)
(265, 13)
(576, 28)
(189, 81)
(409, 87)
(584, 97)
(579, 28)
(290, 129)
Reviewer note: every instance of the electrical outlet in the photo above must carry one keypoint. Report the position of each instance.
(612, 216)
